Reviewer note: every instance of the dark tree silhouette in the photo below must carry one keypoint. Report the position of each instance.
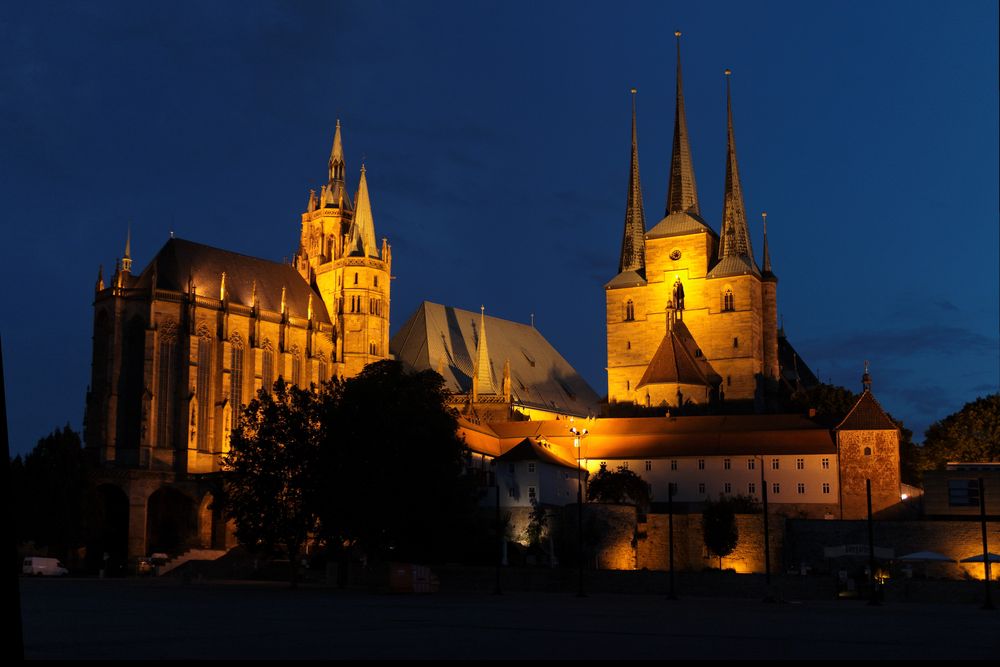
(270, 472)
(392, 464)
(972, 434)
(620, 486)
(718, 523)
(50, 488)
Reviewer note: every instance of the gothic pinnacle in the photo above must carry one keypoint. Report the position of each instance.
(735, 239)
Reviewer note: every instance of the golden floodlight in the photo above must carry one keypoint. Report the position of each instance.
(728, 72)
(633, 91)
(677, 33)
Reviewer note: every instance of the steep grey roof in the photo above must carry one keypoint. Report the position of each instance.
(625, 279)
(682, 192)
(633, 256)
(679, 224)
(442, 338)
(178, 259)
(734, 265)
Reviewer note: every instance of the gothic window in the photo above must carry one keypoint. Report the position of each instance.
(376, 281)
(629, 311)
(321, 368)
(296, 366)
(236, 377)
(728, 302)
(355, 278)
(203, 388)
(166, 386)
(267, 366)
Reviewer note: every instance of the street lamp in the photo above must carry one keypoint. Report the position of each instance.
(578, 435)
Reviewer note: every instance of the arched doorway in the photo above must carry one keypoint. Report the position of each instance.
(211, 524)
(107, 529)
(170, 522)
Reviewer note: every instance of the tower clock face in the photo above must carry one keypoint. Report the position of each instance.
(675, 254)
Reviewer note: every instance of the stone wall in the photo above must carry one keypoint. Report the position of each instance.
(690, 553)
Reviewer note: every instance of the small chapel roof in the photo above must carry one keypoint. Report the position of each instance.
(867, 415)
(674, 362)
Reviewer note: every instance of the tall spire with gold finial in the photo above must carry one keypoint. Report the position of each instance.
(362, 240)
(682, 192)
(482, 379)
(633, 257)
(735, 241)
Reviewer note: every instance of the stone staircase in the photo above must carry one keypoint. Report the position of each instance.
(189, 555)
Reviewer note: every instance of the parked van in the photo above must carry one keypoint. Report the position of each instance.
(43, 567)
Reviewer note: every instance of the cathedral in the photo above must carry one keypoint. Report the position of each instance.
(180, 346)
(692, 317)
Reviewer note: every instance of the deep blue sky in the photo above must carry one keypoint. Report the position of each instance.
(496, 137)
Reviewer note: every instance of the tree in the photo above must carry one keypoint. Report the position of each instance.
(619, 487)
(391, 464)
(50, 488)
(972, 434)
(718, 524)
(270, 472)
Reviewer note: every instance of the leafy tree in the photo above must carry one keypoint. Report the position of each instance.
(620, 486)
(270, 477)
(50, 487)
(537, 522)
(971, 434)
(827, 399)
(391, 464)
(718, 523)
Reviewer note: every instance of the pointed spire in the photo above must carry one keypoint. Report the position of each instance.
(309, 308)
(767, 253)
(284, 303)
(866, 379)
(506, 380)
(682, 192)
(735, 241)
(633, 257)
(482, 381)
(253, 294)
(336, 165)
(362, 241)
(127, 259)
(100, 277)
(222, 287)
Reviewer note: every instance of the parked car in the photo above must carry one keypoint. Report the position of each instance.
(39, 566)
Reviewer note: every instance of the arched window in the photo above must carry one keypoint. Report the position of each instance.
(267, 366)
(728, 301)
(321, 367)
(629, 311)
(296, 366)
(203, 389)
(236, 377)
(868, 451)
(166, 386)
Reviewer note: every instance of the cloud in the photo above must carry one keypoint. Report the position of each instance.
(903, 342)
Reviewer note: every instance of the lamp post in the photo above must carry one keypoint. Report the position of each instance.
(578, 435)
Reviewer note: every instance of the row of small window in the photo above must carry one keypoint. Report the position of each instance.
(727, 464)
(532, 493)
(374, 305)
(752, 487)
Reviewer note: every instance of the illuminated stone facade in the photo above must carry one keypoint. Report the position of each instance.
(181, 346)
(691, 317)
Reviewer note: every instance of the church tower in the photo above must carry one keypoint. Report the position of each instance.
(339, 256)
(691, 317)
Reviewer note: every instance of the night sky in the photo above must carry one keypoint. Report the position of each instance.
(496, 139)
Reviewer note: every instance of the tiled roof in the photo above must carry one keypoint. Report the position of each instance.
(674, 362)
(734, 265)
(442, 338)
(626, 279)
(532, 450)
(678, 224)
(178, 259)
(867, 415)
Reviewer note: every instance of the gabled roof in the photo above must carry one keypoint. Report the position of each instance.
(679, 224)
(443, 339)
(626, 279)
(178, 259)
(794, 369)
(734, 265)
(867, 415)
(531, 450)
(674, 362)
